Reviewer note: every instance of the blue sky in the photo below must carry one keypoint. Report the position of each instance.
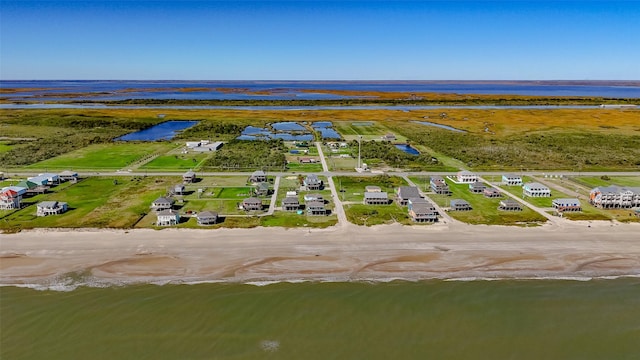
(320, 40)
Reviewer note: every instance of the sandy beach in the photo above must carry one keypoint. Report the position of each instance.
(348, 253)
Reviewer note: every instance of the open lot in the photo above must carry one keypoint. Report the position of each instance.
(485, 210)
(112, 156)
(175, 162)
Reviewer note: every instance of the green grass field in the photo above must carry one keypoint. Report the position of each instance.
(368, 215)
(354, 186)
(103, 156)
(175, 162)
(485, 210)
(292, 219)
(595, 181)
(118, 206)
(298, 167)
(4, 147)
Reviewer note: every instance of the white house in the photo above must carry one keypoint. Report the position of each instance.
(47, 208)
(615, 197)
(566, 205)
(466, 177)
(10, 199)
(535, 189)
(168, 218)
(512, 180)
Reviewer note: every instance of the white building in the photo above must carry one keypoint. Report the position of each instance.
(168, 218)
(535, 189)
(466, 177)
(47, 208)
(512, 180)
(10, 199)
(615, 197)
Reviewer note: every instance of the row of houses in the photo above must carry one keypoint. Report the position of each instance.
(615, 197)
(11, 196)
(467, 177)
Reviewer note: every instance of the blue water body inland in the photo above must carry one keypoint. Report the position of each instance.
(288, 126)
(326, 130)
(163, 131)
(408, 149)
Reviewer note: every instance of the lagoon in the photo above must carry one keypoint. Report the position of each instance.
(163, 131)
(408, 149)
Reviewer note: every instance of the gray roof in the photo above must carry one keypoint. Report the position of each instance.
(535, 185)
(407, 192)
(48, 204)
(252, 200)
(478, 184)
(207, 215)
(167, 213)
(163, 200)
(509, 202)
(423, 209)
(614, 189)
(258, 173)
(567, 201)
(291, 200)
(418, 200)
(315, 204)
(455, 202)
(512, 176)
(312, 179)
(189, 173)
(376, 195)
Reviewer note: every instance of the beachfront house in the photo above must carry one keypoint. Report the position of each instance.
(258, 176)
(46, 208)
(414, 201)
(252, 204)
(535, 189)
(162, 203)
(512, 180)
(32, 188)
(491, 193)
(404, 193)
(421, 212)
(466, 177)
(315, 207)
(311, 182)
(46, 179)
(566, 204)
(509, 205)
(207, 218)
(10, 199)
(460, 205)
(189, 177)
(290, 203)
(477, 187)
(439, 185)
(611, 197)
(376, 198)
(68, 175)
(167, 218)
(261, 189)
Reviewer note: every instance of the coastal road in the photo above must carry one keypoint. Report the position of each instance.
(338, 207)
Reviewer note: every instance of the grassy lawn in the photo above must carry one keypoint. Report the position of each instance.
(298, 167)
(485, 210)
(175, 162)
(354, 186)
(103, 156)
(368, 215)
(595, 181)
(118, 206)
(4, 147)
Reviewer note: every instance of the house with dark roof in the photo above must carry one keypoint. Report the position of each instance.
(207, 217)
(189, 177)
(258, 176)
(460, 205)
(565, 204)
(376, 198)
(46, 208)
(251, 204)
(312, 182)
(290, 203)
(162, 203)
(404, 193)
(315, 207)
(423, 213)
(178, 189)
(509, 205)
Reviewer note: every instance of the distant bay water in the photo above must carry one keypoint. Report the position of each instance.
(282, 90)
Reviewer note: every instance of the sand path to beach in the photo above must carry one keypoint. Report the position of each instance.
(571, 249)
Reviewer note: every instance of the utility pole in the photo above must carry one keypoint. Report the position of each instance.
(359, 160)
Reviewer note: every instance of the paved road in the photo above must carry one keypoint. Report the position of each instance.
(338, 207)
(540, 211)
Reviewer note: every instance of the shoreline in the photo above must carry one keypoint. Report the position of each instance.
(60, 259)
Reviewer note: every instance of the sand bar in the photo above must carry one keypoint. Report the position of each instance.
(342, 253)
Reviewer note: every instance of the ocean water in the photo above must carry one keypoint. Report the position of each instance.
(504, 319)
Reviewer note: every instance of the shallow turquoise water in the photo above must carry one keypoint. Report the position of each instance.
(533, 319)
